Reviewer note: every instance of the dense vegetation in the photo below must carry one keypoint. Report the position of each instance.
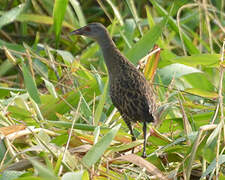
(52, 83)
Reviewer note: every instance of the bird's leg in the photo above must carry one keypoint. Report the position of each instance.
(145, 139)
(131, 131)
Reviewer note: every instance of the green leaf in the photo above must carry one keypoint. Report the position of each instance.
(4, 91)
(133, 10)
(79, 175)
(42, 170)
(30, 178)
(10, 175)
(11, 15)
(191, 47)
(20, 113)
(51, 106)
(12, 46)
(58, 16)
(77, 8)
(5, 67)
(116, 12)
(212, 165)
(143, 46)
(101, 103)
(40, 19)
(84, 127)
(96, 134)
(194, 79)
(67, 56)
(60, 140)
(3, 150)
(209, 60)
(50, 87)
(202, 93)
(94, 154)
(175, 71)
(85, 108)
(209, 151)
(30, 84)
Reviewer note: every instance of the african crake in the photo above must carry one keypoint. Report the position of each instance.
(130, 92)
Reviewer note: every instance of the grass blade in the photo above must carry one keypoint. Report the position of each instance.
(142, 47)
(30, 84)
(11, 15)
(101, 103)
(99, 148)
(79, 13)
(58, 16)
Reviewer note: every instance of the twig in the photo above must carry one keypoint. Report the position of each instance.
(178, 23)
(220, 99)
(70, 134)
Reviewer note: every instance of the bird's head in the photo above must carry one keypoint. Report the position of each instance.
(92, 30)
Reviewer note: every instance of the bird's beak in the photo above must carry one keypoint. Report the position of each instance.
(77, 32)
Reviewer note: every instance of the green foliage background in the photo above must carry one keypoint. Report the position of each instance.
(51, 82)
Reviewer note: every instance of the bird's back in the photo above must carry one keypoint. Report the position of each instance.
(131, 93)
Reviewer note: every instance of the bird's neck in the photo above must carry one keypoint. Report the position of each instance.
(111, 54)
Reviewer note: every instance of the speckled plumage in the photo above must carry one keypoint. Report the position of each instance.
(131, 94)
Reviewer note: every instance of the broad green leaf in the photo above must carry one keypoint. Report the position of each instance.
(146, 43)
(20, 113)
(5, 67)
(83, 127)
(129, 29)
(51, 106)
(40, 19)
(67, 56)
(12, 46)
(132, 8)
(151, 21)
(85, 108)
(58, 16)
(79, 175)
(43, 171)
(77, 8)
(98, 78)
(125, 147)
(199, 120)
(29, 178)
(95, 153)
(175, 71)
(209, 151)
(11, 15)
(193, 81)
(10, 175)
(96, 134)
(116, 12)
(191, 104)
(40, 68)
(50, 87)
(3, 151)
(101, 103)
(30, 84)
(212, 165)
(89, 52)
(202, 93)
(209, 60)
(60, 140)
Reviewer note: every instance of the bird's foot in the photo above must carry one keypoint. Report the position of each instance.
(132, 151)
(144, 155)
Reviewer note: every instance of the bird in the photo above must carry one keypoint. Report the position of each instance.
(130, 92)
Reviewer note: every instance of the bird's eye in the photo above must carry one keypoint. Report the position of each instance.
(88, 29)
